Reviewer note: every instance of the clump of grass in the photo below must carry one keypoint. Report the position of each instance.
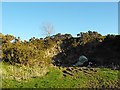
(21, 72)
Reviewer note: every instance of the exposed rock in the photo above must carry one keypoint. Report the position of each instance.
(81, 61)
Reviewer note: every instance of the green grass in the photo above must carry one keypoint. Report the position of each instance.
(54, 78)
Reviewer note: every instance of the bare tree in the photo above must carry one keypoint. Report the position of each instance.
(47, 29)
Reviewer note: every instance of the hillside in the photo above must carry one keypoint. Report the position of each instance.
(23, 60)
(102, 51)
(65, 49)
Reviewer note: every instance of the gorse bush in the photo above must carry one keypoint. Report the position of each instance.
(64, 48)
(23, 52)
(27, 52)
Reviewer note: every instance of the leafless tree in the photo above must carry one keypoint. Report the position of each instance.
(47, 29)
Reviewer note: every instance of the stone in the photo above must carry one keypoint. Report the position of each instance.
(81, 61)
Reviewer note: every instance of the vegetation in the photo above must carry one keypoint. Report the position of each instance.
(54, 78)
(48, 62)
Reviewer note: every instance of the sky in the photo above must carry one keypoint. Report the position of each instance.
(25, 19)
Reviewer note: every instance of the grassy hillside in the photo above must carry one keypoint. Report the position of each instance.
(80, 77)
(48, 62)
